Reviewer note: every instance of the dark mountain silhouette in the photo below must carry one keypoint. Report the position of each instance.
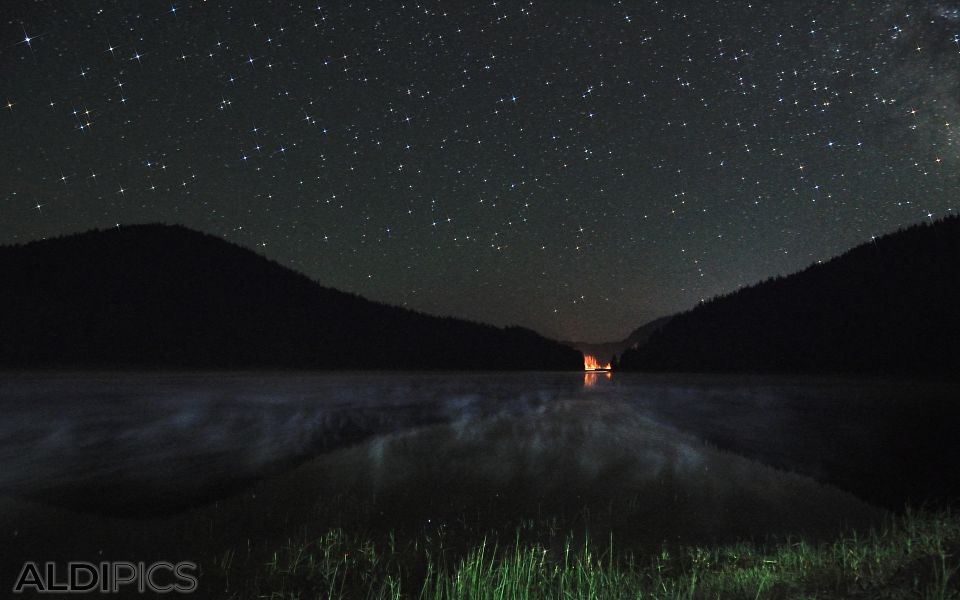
(641, 334)
(157, 296)
(889, 306)
(604, 351)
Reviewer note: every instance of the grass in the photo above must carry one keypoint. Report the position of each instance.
(915, 555)
(588, 500)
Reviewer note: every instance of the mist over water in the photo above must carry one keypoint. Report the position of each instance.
(147, 444)
(173, 439)
(642, 480)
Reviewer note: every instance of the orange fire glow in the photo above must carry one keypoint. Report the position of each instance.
(590, 378)
(590, 363)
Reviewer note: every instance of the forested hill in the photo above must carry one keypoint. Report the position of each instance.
(889, 306)
(158, 296)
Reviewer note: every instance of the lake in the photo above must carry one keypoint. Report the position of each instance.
(649, 458)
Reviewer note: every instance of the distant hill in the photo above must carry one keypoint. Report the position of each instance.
(889, 306)
(604, 351)
(158, 296)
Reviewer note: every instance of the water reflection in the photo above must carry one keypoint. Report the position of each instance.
(636, 478)
(127, 442)
(591, 378)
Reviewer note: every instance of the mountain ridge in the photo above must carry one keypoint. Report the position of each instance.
(886, 306)
(605, 351)
(167, 296)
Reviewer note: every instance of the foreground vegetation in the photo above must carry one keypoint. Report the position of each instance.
(916, 555)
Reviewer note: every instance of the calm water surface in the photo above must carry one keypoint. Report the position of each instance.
(114, 441)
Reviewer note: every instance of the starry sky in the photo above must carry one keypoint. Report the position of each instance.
(576, 167)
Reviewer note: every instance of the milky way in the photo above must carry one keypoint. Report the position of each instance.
(576, 167)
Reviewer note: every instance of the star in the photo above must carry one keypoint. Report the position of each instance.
(577, 153)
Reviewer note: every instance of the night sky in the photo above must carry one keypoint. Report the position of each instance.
(577, 167)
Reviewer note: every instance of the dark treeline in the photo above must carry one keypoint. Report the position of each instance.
(889, 306)
(157, 296)
(609, 351)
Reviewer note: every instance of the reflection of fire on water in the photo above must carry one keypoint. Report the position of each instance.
(590, 378)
